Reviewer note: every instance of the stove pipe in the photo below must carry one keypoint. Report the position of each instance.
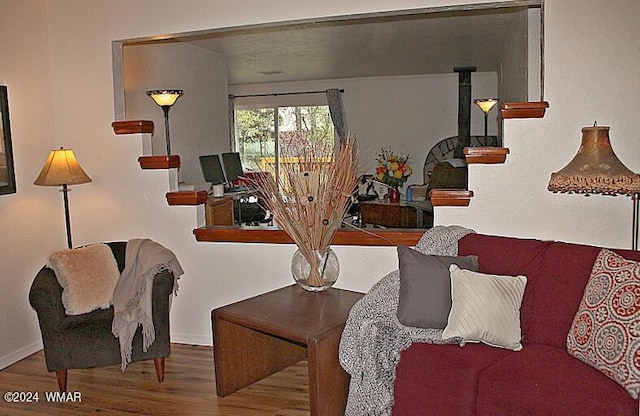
(464, 110)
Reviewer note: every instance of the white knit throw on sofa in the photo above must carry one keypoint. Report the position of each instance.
(373, 337)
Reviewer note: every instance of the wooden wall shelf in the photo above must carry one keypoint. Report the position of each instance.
(186, 198)
(450, 197)
(485, 155)
(159, 162)
(346, 236)
(132, 126)
(534, 109)
(375, 237)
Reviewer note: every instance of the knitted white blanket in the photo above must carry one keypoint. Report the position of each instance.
(373, 337)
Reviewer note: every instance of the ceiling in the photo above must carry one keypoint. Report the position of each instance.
(382, 45)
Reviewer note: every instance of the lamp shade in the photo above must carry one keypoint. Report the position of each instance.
(61, 168)
(485, 104)
(165, 97)
(595, 169)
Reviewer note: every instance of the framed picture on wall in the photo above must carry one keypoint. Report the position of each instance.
(7, 173)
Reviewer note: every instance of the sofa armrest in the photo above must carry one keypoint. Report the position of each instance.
(45, 296)
(162, 285)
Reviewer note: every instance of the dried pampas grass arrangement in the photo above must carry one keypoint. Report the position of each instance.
(311, 195)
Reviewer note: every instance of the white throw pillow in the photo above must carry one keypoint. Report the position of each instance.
(485, 308)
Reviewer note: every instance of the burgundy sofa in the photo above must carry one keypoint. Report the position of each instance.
(542, 378)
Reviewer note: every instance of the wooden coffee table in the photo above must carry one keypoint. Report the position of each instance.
(257, 337)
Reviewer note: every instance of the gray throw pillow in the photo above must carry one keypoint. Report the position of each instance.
(425, 287)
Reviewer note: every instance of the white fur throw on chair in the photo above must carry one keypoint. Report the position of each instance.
(88, 276)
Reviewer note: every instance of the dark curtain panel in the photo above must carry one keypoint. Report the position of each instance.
(232, 123)
(338, 116)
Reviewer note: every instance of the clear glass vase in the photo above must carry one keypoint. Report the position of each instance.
(317, 273)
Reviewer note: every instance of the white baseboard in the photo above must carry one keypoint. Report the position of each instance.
(18, 355)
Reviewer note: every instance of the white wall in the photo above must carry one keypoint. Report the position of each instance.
(31, 221)
(591, 63)
(407, 114)
(198, 120)
(590, 58)
(513, 78)
(534, 26)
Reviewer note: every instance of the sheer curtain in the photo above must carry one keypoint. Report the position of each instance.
(338, 116)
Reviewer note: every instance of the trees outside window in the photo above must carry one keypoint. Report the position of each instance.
(257, 129)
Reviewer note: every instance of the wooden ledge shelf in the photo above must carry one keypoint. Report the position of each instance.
(186, 198)
(450, 197)
(486, 155)
(132, 126)
(159, 162)
(343, 237)
(535, 109)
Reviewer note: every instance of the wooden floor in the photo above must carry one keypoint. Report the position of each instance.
(188, 389)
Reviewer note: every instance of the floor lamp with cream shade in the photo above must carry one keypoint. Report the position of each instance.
(596, 169)
(62, 169)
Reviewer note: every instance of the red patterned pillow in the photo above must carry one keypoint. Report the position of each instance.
(606, 329)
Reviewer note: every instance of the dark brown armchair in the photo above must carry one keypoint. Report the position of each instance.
(86, 341)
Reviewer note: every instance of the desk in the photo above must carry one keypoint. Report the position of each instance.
(219, 211)
(403, 214)
(257, 337)
(424, 212)
(228, 209)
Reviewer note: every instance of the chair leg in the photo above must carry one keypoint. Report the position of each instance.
(61, 375)
(159, 362)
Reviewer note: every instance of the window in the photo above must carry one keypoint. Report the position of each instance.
(258, 126)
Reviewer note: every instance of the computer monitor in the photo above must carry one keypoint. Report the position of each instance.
(212, 169)
(232, 166)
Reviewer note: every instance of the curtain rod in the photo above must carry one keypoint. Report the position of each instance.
(274, 94)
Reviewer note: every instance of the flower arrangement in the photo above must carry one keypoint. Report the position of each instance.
(311, 196)
(392, 169)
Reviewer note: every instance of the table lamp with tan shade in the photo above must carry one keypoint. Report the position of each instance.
(62, 169)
